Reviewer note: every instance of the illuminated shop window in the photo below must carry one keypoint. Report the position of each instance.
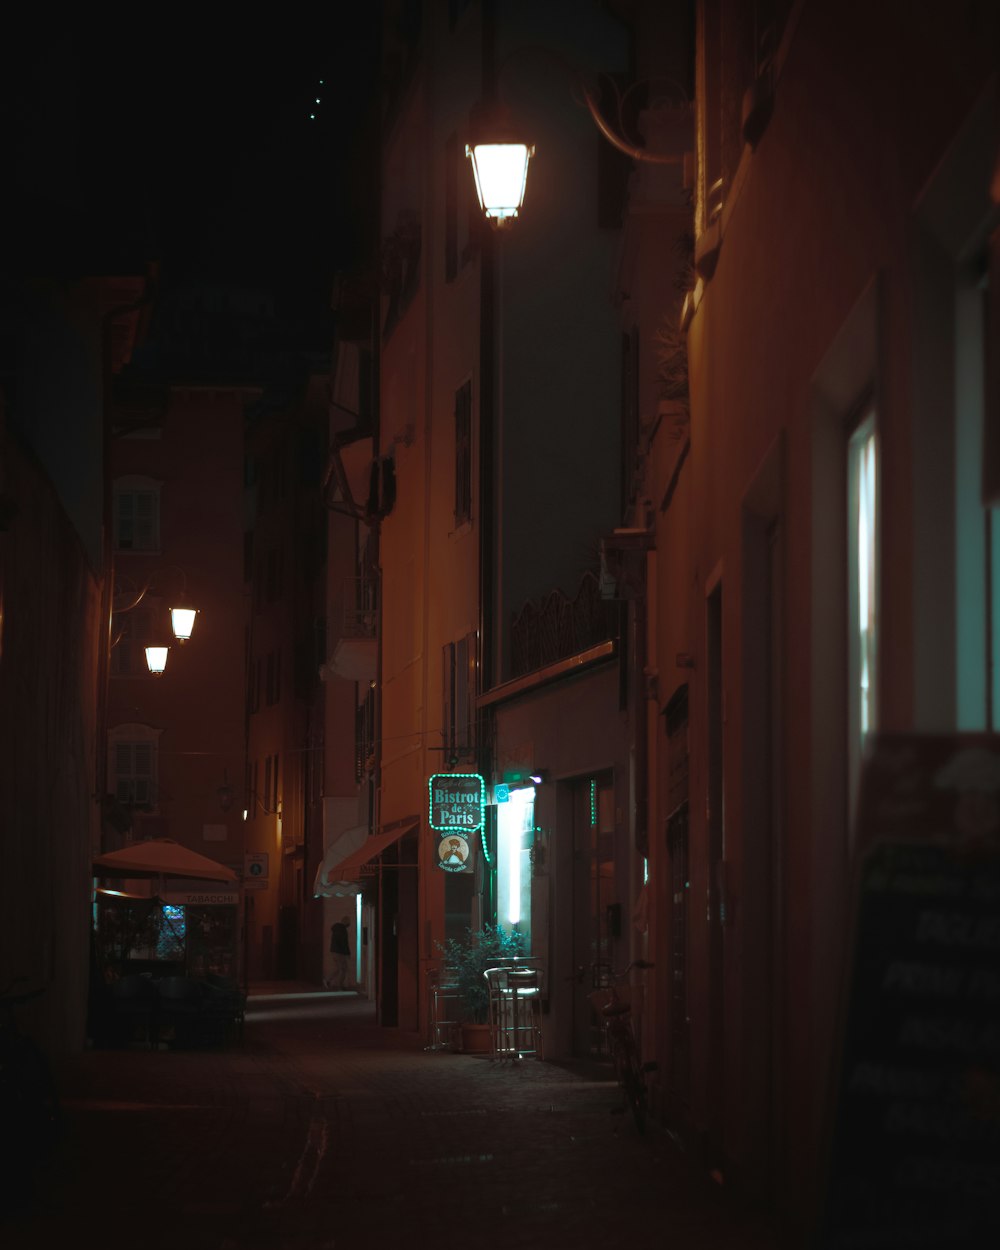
(862, 487)
(170, 939)
(515, 838)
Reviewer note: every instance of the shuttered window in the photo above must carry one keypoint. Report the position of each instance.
(136, 515)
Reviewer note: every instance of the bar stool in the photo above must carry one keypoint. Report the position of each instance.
(496, 983)
(522, 996)
(442, 1016)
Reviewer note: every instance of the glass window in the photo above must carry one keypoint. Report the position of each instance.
(133, 766)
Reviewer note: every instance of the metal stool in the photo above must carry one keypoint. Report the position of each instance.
(496, 982)
(525, 996)
(443, 997)
(515, 1012)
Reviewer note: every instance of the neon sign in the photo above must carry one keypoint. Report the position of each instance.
(457, 802)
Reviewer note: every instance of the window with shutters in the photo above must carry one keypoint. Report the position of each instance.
(132, 765)
(136, 514)
(459, 712)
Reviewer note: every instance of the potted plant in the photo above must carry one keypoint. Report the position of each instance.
(466, 960)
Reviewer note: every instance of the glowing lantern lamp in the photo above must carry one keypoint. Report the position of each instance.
(501, 173)
(156, 659)
(182, 621)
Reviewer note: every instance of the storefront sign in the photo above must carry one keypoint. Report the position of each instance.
(914, 1152)
(255, 865)
(457, 802)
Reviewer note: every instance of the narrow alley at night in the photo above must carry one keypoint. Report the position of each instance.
(500, 626)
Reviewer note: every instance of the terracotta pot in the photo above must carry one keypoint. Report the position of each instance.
(476, 1039)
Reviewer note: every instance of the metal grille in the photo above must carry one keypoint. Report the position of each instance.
(559, 627)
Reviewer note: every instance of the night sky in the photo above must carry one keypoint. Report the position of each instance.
(162, 134)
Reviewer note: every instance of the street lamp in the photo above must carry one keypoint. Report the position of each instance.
(182, 622)
(499, 159)
(500, 156)
(500, 167)
(182, 617)
(156, 659)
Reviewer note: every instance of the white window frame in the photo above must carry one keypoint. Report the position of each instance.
(128, 492)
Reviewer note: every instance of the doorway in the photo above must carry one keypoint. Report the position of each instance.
(596, 910)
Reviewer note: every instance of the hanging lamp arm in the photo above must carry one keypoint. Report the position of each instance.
(580, 86)
(637, 154)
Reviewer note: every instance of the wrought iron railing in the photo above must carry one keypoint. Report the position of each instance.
(559, 627)
(364, 738)
(360, 618)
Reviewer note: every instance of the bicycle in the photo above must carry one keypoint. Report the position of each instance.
(616, 1012)
(29, 1107)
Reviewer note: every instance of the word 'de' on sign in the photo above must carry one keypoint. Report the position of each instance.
(913, 1148)
(457, 802)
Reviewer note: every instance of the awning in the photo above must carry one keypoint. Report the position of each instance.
(349, 868)
(327, 883)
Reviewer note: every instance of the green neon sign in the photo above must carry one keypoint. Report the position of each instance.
(457, 802)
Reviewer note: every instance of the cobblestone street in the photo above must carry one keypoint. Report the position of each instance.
(325, 1131)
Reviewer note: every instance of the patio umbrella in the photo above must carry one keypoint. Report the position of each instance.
(160, 857)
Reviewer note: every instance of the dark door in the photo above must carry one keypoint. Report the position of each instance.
(387, 990)
(596, 919)
(288, 942)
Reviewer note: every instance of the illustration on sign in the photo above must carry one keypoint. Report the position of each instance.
(453, 853)
(457, 802)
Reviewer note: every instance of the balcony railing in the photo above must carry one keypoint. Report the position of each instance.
(560, 627)
(360, 609)
(354, 642)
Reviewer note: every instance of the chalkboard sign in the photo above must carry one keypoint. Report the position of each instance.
(914, 1146)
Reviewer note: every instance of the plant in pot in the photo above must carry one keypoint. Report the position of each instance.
(466, 960)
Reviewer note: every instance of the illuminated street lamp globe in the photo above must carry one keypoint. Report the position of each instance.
(156, 659)
(500, 168)
(182, 622)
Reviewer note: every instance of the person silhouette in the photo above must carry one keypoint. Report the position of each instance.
(340, 949)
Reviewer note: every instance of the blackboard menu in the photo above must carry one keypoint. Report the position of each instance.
(914, 1141)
